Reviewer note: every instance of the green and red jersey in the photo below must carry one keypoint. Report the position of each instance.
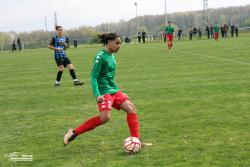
(169, 30)
(103, 74)
(216, 28)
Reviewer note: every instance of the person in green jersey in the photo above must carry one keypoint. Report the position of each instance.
(169, 31)
(106, 91)
(216, 31)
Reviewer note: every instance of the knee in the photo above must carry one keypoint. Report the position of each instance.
(130, 108)
(70, 67)
(105, 118)
(61, 68)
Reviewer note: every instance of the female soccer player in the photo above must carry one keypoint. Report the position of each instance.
(59, 44)
(216, 29)
(169, 31)
(106, 92)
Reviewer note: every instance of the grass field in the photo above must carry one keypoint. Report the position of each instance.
(193, 105)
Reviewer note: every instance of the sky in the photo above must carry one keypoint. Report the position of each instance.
(29, 15)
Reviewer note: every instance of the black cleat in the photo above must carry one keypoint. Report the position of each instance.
(57, 85)
(78, 83)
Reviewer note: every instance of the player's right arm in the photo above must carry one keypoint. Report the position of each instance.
(166, 29)
(97, 65)
(52, 45)
(173, 32)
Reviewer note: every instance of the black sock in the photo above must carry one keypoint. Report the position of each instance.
(59, 75)
(72, 73)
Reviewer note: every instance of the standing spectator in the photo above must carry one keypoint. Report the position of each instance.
(212, 31)
(14, 46)
(139, 37)
(75, 43)
(225, 30)
(208, 32)
(19, 44)
(195, 32)
(222, 32)
(179, 34)
(127, 40)
(199, 32)
(143, 36)
(237, 31)
(190, 33)
(232, 30)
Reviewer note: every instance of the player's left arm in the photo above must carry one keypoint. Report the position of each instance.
(66, 44)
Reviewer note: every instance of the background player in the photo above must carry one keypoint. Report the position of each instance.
(216, 29)
(106, 92)
(169, 31)
(59, 44)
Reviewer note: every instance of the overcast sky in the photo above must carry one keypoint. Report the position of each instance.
(28, 15)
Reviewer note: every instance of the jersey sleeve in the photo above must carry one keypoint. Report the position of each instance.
(66, 45)
(52, 42)
(67, 40)
(97, 65)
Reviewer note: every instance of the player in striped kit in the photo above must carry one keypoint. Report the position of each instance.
(59, 44)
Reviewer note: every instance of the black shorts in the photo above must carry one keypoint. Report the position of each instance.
(62, 61)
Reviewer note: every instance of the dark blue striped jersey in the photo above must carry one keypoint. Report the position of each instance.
(60, 42)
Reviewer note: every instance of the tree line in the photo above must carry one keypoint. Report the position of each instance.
(152, 24)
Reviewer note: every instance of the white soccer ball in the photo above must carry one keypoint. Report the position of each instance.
(132, 145)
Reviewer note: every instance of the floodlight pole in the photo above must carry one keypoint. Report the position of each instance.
(137, 22)
(46, 27)
(55, 17)
(205, 12)
(166, 19)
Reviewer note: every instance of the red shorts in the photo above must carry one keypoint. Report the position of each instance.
(112, 100)
(216, 35)
(170, 37)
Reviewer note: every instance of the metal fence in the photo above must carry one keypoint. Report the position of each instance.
(88, 42)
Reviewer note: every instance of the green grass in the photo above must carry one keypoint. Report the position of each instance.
(193, 105)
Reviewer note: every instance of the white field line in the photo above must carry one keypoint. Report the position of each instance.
(213, 57)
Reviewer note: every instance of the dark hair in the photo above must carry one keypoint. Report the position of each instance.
(57, 27)
(105, 38)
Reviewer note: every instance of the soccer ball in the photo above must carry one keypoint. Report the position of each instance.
(132, 145)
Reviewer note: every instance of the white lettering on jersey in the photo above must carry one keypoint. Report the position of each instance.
(97, 58)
